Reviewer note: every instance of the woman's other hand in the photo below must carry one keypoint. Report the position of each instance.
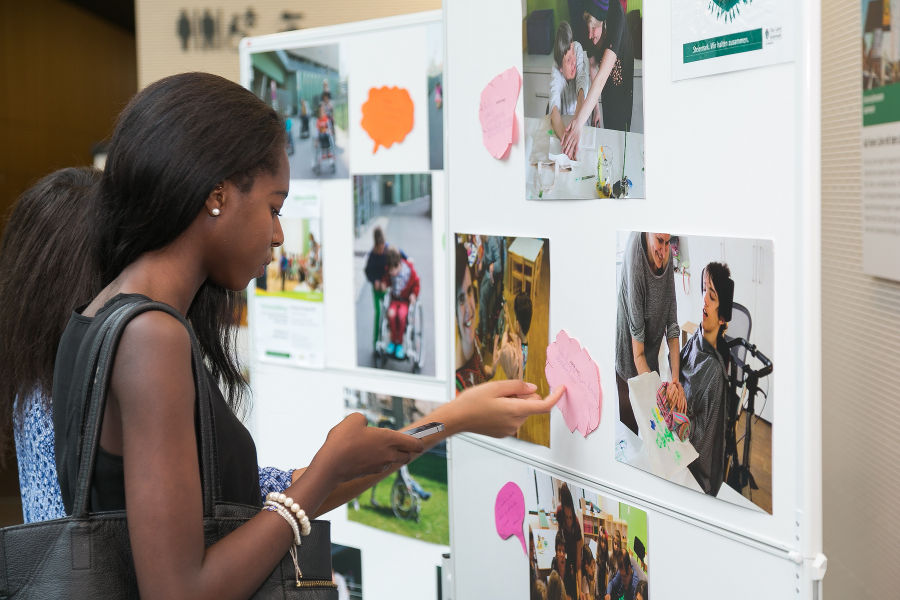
(353, 449)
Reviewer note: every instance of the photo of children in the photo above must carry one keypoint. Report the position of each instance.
(306, 87)
(694, 362)
(414, 502)
(296, 267)
(583, 96)
(288, 308)
(346, 566)
(583, 546)
(502, 315)
(435, 97)
(393, 272)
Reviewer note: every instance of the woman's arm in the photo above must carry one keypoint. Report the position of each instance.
(640, 360)
(573, 130)
(153, 387)
(496, 409)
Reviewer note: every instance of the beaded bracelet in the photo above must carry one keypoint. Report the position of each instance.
(286, 514)
(289, 516)
(298, 513)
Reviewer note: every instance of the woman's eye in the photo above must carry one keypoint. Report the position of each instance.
(276, 212)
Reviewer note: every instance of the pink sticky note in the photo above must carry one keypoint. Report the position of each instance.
(569, 364)
(509, 513)
(497, 112)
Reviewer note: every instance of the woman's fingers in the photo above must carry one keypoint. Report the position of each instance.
(509, 388)
(543, 405)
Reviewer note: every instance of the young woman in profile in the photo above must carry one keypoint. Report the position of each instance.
(188, 211)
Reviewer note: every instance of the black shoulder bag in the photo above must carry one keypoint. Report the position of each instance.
(88, 555)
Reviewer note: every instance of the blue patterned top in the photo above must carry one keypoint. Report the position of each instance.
(38, 483)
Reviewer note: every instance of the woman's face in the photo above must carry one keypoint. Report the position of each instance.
(465, 315)
(247, 228)
(569, 517)
(568, 63)
(710, 320)
(595, 29)
(658, 249)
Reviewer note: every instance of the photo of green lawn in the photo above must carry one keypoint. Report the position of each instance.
(413, 501)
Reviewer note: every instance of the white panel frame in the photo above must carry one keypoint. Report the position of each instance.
(752, 139)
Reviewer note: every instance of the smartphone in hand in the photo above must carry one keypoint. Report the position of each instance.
(425, 430)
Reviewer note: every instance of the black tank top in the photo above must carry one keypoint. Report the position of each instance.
(236, 452)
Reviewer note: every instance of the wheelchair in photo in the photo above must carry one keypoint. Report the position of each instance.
(323, 153)
(413, 334)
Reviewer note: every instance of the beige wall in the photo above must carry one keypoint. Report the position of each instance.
(860, 345)
(64, 76)
(159, 49)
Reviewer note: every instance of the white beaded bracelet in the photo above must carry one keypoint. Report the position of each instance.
(286, 514)
(298, 513)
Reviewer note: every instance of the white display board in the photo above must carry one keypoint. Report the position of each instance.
(733, 155)
(294, 404)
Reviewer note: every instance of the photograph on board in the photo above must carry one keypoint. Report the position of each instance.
(502, 316)
(394, 272)
(582, 545)
(308, 90)
(583, 98)
(414, 502)
(881, 50)
(288, 311)
(346, 566)
(694, 362)
(435, 97)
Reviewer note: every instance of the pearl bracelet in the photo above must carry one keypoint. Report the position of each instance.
(286, 514)
(298, 513)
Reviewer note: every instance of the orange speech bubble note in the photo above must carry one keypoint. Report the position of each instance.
(387, 115)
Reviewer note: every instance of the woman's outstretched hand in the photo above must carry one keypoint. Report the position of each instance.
(353, 449)
(498, 408)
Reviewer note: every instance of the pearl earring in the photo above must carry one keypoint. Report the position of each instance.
(215, 212)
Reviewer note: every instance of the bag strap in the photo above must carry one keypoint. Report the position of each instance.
(93, 397)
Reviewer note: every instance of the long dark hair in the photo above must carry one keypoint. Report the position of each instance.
(47, 269)
(174, 142)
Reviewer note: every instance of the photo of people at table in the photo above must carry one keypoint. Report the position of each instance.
(583, 546)
(502, 315)
(583, 97)
(694, 358)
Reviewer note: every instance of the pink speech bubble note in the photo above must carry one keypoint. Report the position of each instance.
(497, 112)
(569, 364)
(509, 513)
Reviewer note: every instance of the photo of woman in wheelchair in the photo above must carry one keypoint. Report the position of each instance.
(400, 330)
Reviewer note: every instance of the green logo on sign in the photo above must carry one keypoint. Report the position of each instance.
(726, 10)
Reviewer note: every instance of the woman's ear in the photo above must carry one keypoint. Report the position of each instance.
(215, 202)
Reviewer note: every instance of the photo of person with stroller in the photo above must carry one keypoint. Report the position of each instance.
(694, 322)
(394, 272)
(414, 503)
(502, 315)
(305, 86)
(583, 546)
